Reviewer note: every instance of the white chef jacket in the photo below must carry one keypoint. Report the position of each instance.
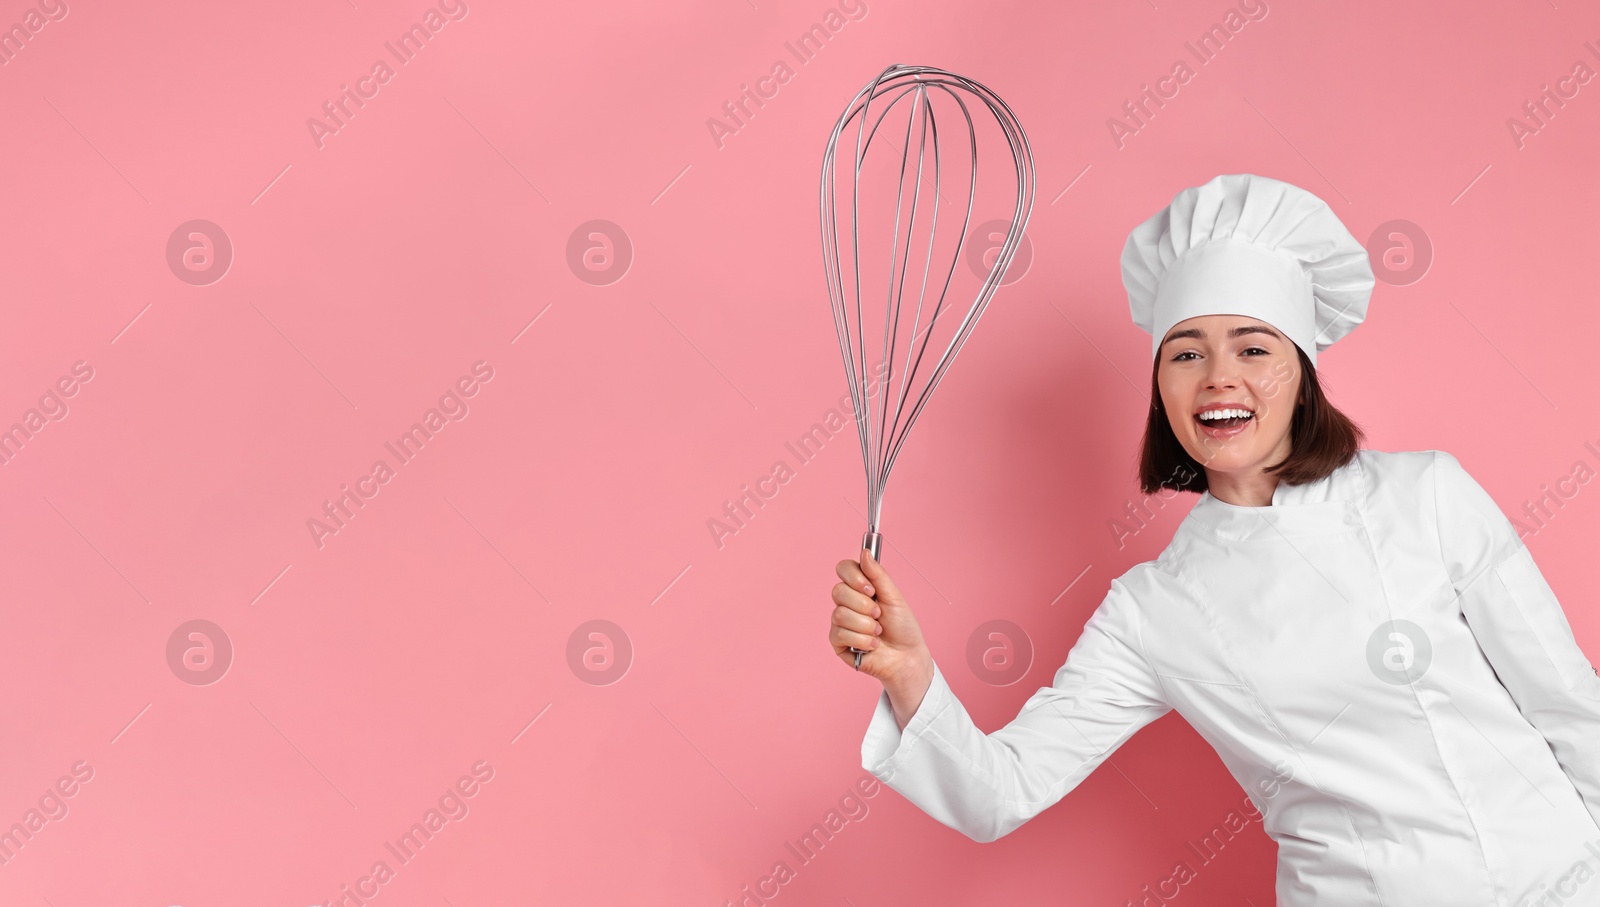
(1475, 783)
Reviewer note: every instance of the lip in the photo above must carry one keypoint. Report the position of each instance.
(1221, 434)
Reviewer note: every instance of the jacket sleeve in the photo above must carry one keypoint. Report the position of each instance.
(1519, 625)
(986, 785)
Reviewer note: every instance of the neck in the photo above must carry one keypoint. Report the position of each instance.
(1253, 490)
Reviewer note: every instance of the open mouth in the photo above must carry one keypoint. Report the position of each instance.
(1221, 423)
(1229, 422)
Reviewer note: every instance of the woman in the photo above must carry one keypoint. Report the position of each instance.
(1359, 634)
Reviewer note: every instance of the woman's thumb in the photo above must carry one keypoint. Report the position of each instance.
(885, 588)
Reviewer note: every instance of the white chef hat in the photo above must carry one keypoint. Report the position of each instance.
(1248, 245)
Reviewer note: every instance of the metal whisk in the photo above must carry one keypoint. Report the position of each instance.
(929, 93)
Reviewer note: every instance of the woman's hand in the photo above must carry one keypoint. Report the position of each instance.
(871, 614)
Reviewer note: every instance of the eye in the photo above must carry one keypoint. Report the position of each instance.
(1179, 357)
(1259, 350)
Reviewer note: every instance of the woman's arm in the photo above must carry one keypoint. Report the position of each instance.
(987, 785)
(906, 693)
(1519, 625)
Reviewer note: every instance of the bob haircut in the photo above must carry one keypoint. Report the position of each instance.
(1321, 439)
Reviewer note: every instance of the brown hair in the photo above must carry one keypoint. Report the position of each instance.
(1321, 439)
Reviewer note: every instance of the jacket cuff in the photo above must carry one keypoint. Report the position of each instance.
(886, 746)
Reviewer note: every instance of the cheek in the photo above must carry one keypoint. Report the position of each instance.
(1175, 392)
(1276, 383)
(1279, 408)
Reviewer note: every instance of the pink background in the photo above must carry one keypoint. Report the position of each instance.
(432, 632)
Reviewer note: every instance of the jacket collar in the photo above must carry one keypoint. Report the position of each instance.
(1326, 505)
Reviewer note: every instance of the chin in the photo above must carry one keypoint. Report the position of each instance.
(1227, 459)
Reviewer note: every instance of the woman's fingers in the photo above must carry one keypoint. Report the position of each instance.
(850, 572)
(856, 621)
(877, 577)
(870, 615)
(850, 598)
(840, 637)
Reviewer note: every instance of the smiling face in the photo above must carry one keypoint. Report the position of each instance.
(1233, 365)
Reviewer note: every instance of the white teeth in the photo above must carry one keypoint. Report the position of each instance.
(1224, 414)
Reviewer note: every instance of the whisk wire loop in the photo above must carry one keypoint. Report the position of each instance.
(883, 432)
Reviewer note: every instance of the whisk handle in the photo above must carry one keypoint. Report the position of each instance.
(873, 542)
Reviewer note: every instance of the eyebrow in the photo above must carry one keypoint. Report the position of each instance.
(1239, 331)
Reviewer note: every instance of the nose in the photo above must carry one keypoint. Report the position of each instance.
(1220, 374)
